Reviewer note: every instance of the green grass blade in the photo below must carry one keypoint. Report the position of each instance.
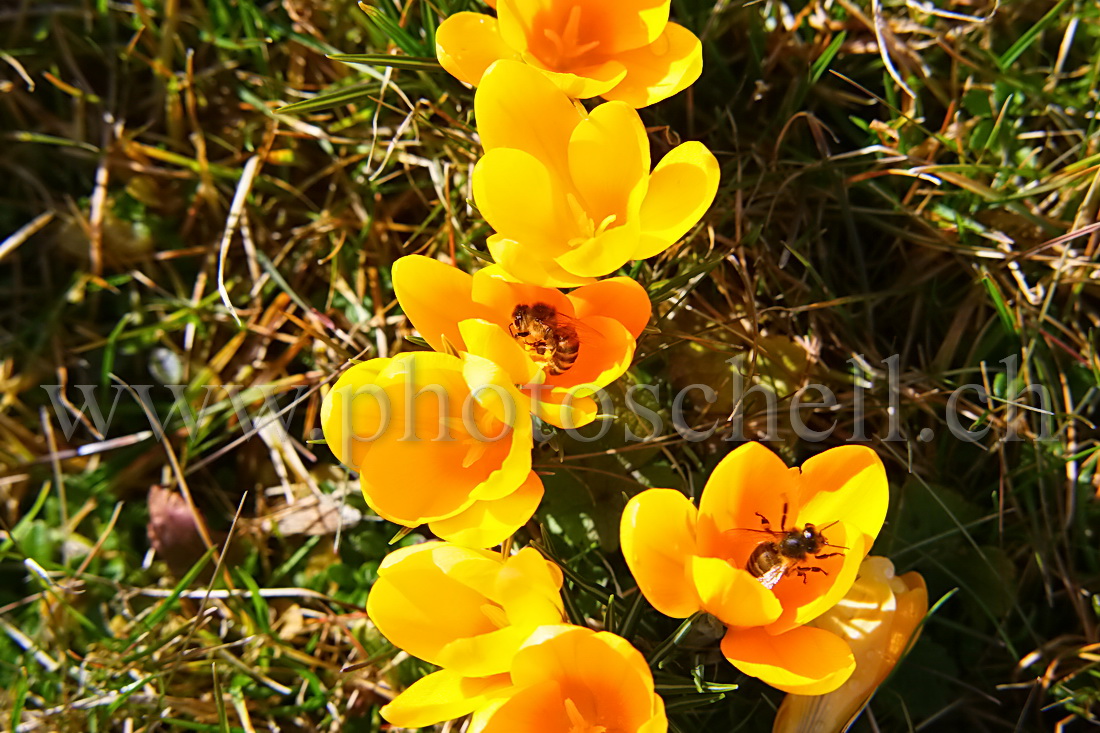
(153, 620)
(822, 63)
(393, 31)
(1008, 58)
(328, 100)
(416, 63)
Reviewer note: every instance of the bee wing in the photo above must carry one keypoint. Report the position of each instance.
(773, 576)
(772, 532)
(577, 325)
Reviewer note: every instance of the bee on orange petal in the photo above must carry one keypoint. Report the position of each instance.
(788, 551)
(551, 336)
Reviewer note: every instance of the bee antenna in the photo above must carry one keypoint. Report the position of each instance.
(830, 524)
(839, 547)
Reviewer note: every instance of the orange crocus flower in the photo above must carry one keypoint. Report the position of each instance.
(625, 51)
(436, 439)
(715, 559)
(558, 348)
(880, 618)
(570, 193)
(563, 679)
(464, 609)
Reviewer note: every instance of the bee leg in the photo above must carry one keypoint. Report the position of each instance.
(783, 521)
(828, 554)
(804, 572)
(763, 520)
(512, 330)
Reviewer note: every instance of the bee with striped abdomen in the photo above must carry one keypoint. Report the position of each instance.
(551, 336)
(772, 560)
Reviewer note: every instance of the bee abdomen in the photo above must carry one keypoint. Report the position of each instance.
(763, 558)
(566, 350)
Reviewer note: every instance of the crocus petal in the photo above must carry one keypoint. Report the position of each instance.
(879, 618)
(604, 253)
(609, 162)
(606, 678)
(522, 263)
(659, 722)
(807, 598)
(657, 531)
(538, 707)
(583, 82)
(748, 482)
(570, 678)
(528, 589)
(732, 594)
(442, 695)
(624, 24)
(520, 19)
(354, 410)
(403, 603)
(499, 292)
(563, 407)
(911, 611)
(484, 654)
(606, 350)
(402, 553)
(495, 344)
(488, 523)
(430, 465)
(492, 387)
(435, 297)
(655, 72)
(414, 437)
(681, 189)
(386, 487)
(512, 468)
(517, 107)
(467, 44)
(804, 660)
(518, 196)
(848, 482)
(620, 298)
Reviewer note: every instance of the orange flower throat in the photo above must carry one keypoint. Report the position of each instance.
(565, 46)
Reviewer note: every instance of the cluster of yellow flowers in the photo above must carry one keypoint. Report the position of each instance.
(496, 627)
(444, 438)
(571, 196)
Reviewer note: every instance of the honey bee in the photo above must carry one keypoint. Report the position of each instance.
(772, 560)
(550, 335)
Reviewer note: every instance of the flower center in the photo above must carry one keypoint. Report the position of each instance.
(589, 229)
(566, 45)
(496, 615)
(577, 723)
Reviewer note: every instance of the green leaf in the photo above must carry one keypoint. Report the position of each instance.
(1028, 37)
(663, 289)
(1003, 311)
(153, 620)
(328, 100)
(826, 58)
(418, 63)
(392, 29)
